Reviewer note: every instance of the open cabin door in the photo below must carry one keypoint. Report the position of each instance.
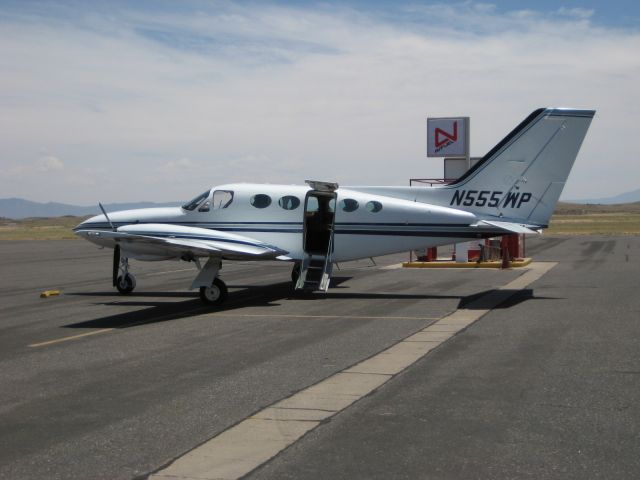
(319, 219)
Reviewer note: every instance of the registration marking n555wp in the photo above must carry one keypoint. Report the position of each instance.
(488, 198)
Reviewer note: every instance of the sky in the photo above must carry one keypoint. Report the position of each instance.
(120, 101)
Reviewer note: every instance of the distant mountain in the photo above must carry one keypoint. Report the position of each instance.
(17, 208)
(627, 197)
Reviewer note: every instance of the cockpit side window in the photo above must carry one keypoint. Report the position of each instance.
(222, 199)
(193, 204)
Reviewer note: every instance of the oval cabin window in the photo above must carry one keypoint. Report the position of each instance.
(374, 206)
(289, 202)
(261, 200)
(349, 205)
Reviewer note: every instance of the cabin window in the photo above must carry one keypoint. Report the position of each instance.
(373, 206)
(312, 204)
(261, 200)
(222, 199)
(289, 202)
(196, 201)
(349, 205)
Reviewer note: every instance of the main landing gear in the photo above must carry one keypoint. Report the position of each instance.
(213, 290)
(124, 281)
(215, 294)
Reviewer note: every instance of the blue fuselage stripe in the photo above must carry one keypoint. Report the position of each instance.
(409, 230)
(286, 226)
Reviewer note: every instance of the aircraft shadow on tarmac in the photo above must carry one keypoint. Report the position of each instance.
(137, 294)
(261, 296)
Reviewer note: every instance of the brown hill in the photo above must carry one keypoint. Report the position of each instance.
(564, 208)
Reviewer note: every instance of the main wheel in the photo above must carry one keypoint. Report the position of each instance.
(126, 283)
(215, 294)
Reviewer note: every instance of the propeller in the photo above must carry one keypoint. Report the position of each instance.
(104, 212)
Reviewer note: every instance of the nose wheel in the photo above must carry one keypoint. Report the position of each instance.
(215, 294)
(126, 283)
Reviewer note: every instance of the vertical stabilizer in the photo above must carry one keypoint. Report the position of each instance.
(522, 177)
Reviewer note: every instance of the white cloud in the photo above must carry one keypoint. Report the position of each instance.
(49, 163)
(178, 166)
(582, 13)
(165, 104)
(44, 164)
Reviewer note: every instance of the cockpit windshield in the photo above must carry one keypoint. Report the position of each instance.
(193, 204)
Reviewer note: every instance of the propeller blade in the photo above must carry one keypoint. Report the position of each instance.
(104, 212)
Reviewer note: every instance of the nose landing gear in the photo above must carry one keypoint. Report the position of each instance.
(124, 281)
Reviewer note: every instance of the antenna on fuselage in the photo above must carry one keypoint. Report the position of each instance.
(107, 216)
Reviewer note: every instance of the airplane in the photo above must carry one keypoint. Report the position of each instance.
(514, 188)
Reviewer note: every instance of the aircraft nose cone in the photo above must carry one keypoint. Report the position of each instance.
(90, 222)
(81, 226)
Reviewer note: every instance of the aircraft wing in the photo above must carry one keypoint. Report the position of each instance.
(510, 226)
(186, 242)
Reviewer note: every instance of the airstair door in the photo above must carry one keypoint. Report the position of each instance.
(319, 219)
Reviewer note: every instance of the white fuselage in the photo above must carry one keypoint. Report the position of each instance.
(375, 225)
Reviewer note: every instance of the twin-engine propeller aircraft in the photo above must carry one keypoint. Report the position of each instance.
(513, 189)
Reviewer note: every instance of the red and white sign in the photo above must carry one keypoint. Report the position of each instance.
(447, 137)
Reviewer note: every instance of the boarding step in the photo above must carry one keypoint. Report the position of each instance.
(315, 274)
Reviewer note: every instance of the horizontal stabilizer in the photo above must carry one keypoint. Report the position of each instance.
(510, 227)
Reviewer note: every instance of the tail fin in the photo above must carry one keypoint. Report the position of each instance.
(522, 177)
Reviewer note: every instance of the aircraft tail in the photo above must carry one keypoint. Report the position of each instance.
(520, 180)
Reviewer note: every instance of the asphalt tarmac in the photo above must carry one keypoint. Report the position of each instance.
(98, 385)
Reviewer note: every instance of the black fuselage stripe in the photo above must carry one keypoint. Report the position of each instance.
(424, 233)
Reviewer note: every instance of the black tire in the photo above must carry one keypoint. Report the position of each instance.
(216, 294)
(126, 284)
